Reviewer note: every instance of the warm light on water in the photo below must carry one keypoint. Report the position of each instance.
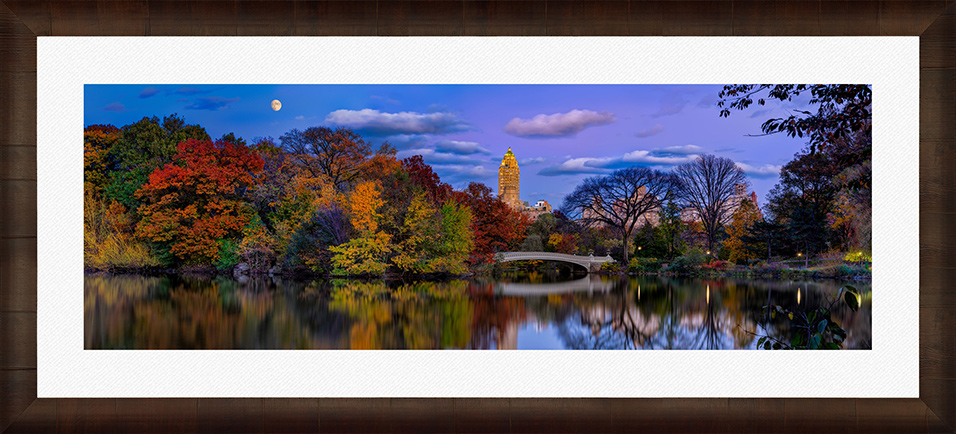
(527, 311)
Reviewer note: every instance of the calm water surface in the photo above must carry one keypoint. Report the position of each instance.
(526, 311)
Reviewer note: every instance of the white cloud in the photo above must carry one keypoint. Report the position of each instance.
(558, 124)
(459, 147)
(383, 124)
(766, 170)
(685, 149)
(299, 117)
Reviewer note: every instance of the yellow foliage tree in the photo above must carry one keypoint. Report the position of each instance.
(366, 253)
(420, 234)
(744, 218)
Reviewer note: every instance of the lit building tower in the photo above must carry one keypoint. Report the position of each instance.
(509, 179)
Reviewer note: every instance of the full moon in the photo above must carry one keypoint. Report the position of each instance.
(276, 105)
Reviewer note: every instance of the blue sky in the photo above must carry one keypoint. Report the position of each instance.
(560, 134)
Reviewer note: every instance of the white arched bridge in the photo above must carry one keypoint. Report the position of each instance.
(590, 262)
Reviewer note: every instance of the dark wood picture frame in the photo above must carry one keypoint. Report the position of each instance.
(21, 21)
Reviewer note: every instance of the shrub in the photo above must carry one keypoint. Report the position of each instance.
(612, 267)
(645, 265)
(859, 256)
(716, 265)
(108, 243)
(228, 255)
(692, 260)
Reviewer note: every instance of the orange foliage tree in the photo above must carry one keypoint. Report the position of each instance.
(196, 202)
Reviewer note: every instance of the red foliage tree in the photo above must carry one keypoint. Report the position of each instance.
(496, 226)
(423, 176)
(195, 202)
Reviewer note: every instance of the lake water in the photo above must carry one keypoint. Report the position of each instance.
(520, 311)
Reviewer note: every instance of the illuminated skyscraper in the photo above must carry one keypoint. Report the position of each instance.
(509, 179)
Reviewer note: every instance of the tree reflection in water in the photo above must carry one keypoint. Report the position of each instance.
(514, 312)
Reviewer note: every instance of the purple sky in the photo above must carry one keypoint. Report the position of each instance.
(560, 134)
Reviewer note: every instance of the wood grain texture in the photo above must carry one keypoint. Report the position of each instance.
(937, 45)
(778, 18)
(937, 110)
(38, 418)
(18, 101)
(560, 415)
(233, 415)
(645, 18)
(889, 415)
(18, 53)
(21, 20)
(587, 18)
(420, 18)
(937, 179)
(502, 18)
(18, 340)
(386, 415)
(34, 14)
(907, 18)
(693, 18)
(194, 18)
(18, 389)
(939, 396)
(936, 287)
(335, 18)
(20, 210)
(290, 415)
(275, 18)
(18, 275)
(480, 416)
(936, 361)
(849, 18)
(18, 163)
(86, 416)
(98, 18)
(157, 416)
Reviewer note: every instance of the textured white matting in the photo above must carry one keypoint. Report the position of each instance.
(65, 369)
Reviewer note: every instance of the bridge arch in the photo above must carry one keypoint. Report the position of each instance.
(590, 262)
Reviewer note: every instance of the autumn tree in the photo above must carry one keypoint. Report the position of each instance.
(424, 177)
(97, 141)
(708, 185)
(367, 252)
(192, 205)
(739, 231)
(338, 154)
(420, 236)
(143, 147)
(620, 200)
(495, 225)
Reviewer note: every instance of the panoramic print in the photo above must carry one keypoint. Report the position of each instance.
(471, 217)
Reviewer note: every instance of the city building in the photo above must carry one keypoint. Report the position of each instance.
(509, 188)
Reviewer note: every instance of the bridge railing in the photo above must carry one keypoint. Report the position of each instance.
(514, 256)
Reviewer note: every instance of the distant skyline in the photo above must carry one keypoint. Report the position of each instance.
(560, 134)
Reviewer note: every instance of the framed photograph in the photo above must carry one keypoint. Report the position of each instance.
(453, 108)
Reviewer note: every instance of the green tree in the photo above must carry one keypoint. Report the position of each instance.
(143, 147)
(457, 240)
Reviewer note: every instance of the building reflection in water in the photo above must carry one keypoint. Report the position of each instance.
(534, 310)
